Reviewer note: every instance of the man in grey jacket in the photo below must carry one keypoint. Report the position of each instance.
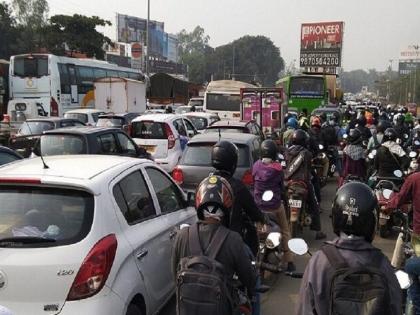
(354, 221)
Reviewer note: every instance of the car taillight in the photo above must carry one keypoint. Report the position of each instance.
(95, 269)
(170, 135)
(54, 107)
(247, 178)
(178, 175)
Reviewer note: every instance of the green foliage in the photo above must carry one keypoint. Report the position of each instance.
(78, 32)
(354, 80)
(8, 32)
(255, 58)
(32, 14)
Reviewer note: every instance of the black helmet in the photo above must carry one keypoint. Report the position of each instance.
(383, 125)
(300, 137)
(354, 210)
(400, 119)
(390, 135)
(404, 110)
(362, 121)
(224, 156)
(212, 195)
(269, 149)
(355, 136)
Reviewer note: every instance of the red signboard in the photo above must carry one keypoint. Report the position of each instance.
(136, 50)
(320, 44)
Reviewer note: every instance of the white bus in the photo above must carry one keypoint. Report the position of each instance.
(224, 98)
(61, 83)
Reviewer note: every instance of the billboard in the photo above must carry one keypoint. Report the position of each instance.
(412, 52)
(405, 68)
(321, 44)
(133, 29)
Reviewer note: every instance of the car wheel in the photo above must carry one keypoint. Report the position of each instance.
(133, 309)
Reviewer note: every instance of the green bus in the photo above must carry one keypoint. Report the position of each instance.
(305, 91)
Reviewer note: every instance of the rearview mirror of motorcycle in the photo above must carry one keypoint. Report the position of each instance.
(403, 279)
(298, 246)
(183, 226)
(371, 156)
(405, 136)
(345, 136)
(280, 156)
(387, 193)
(413, 154)
(398, 173)
(321, 147)
(399, 141)
(417, 142)
(267, 195)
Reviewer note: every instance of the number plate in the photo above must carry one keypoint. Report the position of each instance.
(295, 203)
(384, 216)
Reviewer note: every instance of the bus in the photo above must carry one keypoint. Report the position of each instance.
(223, 97)
(4, 86)
(59, 83)
(305, 91)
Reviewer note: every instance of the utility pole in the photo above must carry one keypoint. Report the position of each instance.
(147, 37)
(233, 62)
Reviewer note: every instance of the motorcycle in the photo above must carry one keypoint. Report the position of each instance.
(297, 193)
(318, 165)
(332, 154)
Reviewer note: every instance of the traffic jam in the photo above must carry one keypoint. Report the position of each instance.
(131, 190)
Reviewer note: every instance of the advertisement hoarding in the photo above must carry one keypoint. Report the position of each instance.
(412, 52)
(321, 44)
(133, 29)
(405, 68)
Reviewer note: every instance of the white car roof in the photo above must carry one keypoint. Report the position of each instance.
(84, 171)
(157, 117)
(85, 111)
(200, 114)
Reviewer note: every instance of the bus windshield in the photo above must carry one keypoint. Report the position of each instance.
(30, 66)
(223, 102)
(307, 86)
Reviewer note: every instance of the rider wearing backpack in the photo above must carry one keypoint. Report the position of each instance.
(206, 255)
(349, 275)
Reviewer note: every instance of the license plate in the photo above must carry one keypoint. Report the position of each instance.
(295, 203)
(384, 216)
(149, 148)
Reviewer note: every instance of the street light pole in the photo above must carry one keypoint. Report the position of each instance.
(147, 37)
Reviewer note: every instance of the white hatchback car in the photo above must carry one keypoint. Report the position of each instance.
(88, 116)
(88, 235)
(164, 136)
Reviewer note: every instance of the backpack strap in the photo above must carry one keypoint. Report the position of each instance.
(194, 241)
(216, 243)
(334, 256)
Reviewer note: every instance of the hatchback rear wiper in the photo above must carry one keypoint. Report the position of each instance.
(12, 241)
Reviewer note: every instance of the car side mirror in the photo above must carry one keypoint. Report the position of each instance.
(191, 133)
(37, 149)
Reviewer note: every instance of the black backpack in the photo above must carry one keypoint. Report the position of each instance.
(356, 290)
(202, 285)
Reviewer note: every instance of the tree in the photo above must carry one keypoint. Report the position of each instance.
(76, 33)
(31, 17)
(255, 58)
(8, 32)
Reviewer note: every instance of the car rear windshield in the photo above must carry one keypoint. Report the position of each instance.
(149, 130)
(62, 145)
(35, 127)
(110, 122)
(199, 123)
(39, 217)
(199, 154)
(79, 116)
(228, 129)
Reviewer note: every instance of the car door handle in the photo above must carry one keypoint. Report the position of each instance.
(142, 254)
(172, 235)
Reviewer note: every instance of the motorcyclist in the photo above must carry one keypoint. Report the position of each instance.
(214, 202)
(315, 141)
(304, 120)
(245, 213)
(361, 126)
(355, 231)
(354, 163)
(268, 176)
(400, 128)
(292, 125)
(302, 172)
(330, 132)
(390, 155)
(376, 140)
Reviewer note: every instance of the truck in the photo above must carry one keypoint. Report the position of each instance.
(120, 95)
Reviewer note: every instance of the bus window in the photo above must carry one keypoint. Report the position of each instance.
(85, 79)
(31, 66)
(134, 76)
(123, 74)
(72, 75)
(99, 73)
(64, 78)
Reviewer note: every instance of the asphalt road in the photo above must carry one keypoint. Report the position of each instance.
(283, 295)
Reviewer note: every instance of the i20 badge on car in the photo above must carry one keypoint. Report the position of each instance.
(2, 280)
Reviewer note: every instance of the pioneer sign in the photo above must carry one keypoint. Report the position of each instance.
(320, 44)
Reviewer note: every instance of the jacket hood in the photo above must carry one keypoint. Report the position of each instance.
(294, 150)
(266, 172)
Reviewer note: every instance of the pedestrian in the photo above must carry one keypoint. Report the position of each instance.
(349, 275)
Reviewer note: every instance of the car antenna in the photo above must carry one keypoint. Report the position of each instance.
(40, 154)
(220, 135)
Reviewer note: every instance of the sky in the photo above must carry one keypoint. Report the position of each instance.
(375, 30)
